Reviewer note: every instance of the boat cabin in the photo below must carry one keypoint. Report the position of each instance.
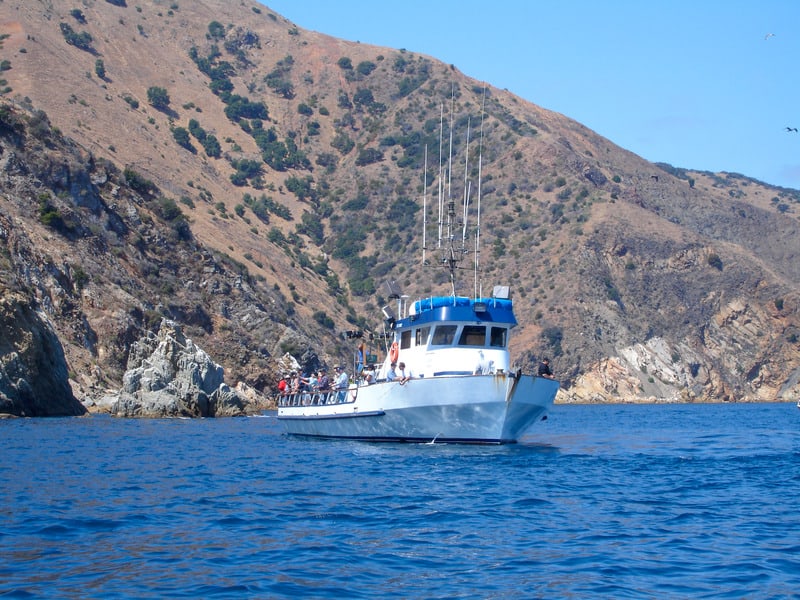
(451, 335)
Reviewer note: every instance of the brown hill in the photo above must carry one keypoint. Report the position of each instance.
(214, 163)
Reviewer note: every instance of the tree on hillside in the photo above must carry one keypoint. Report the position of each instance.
(158, 97)
(181, 136)
(82, 40)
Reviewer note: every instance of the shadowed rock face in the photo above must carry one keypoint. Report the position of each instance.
(169, 376)
(33, 372)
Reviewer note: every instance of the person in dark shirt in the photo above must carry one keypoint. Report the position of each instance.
(323, 383)
(544, 369)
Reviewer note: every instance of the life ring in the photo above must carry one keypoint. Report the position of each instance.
(394, 352)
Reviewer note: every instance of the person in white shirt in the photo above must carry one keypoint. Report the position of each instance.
(403, 373)
(341, 384)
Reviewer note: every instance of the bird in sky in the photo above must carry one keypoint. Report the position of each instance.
(769, 35)
(792, 129)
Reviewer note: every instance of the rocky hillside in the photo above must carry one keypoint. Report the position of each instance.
(211, 163)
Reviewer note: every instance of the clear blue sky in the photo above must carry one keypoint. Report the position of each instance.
(693, 83)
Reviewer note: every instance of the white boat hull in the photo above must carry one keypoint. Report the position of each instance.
(491, 409)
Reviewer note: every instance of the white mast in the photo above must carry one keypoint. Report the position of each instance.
(465, 208)
(479, 288)
(424, 204)
(441, 178)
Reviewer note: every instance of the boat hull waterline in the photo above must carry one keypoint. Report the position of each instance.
(487, 409)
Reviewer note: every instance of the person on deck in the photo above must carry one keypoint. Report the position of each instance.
(361, 351)
(391, 374)
(368, 374)
(295, 383)
(324, 385)
(342, 382)
(312, 382)
(282, 385)
(404, 373)
(544, 369)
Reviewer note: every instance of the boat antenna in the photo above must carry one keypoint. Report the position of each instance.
(466, 191)
(424, 204)
(450, 156)
(450, 260)
(441, 178)
(478, 288)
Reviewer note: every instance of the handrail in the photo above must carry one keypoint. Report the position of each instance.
(308, 398)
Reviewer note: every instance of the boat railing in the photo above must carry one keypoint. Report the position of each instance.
(309, 398)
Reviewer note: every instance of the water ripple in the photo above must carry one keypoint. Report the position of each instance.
(619, 501)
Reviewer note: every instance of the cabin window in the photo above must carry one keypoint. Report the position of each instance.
(405, 339)
(473, 335)
(497, 337)
(422, 336)
(443, 335)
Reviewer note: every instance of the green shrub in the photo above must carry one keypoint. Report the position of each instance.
(79, 277)
(81, 40)
(158, 97)
(553, 336)
(245, 169)
(368, 156)
(137, 182)
(343, 143)
(181, 136)
(167, 209)
(715, 261)
(216, 30)
(240, 107)
(323, 319)
(366, 67)
(303, 187)
(198, 132)
(278, 80)
(212, 146)
(78, 15)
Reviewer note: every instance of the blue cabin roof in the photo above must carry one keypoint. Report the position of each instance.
(459, 308)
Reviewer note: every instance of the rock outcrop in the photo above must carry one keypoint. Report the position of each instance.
(169, 376)
(34, 380)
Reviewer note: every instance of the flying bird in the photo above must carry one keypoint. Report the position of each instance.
(769, 35)
(794, 129)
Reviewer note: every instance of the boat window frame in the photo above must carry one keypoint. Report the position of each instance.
(448, 331)
(405, 339)
(498, 331)
(471, 337)
(422, 335)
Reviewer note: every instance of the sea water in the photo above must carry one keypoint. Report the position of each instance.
(624, 501)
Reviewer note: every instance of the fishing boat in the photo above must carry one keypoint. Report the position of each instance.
(447, 375)
(461, 386)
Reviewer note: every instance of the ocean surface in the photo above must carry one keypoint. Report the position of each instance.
(624, 501)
